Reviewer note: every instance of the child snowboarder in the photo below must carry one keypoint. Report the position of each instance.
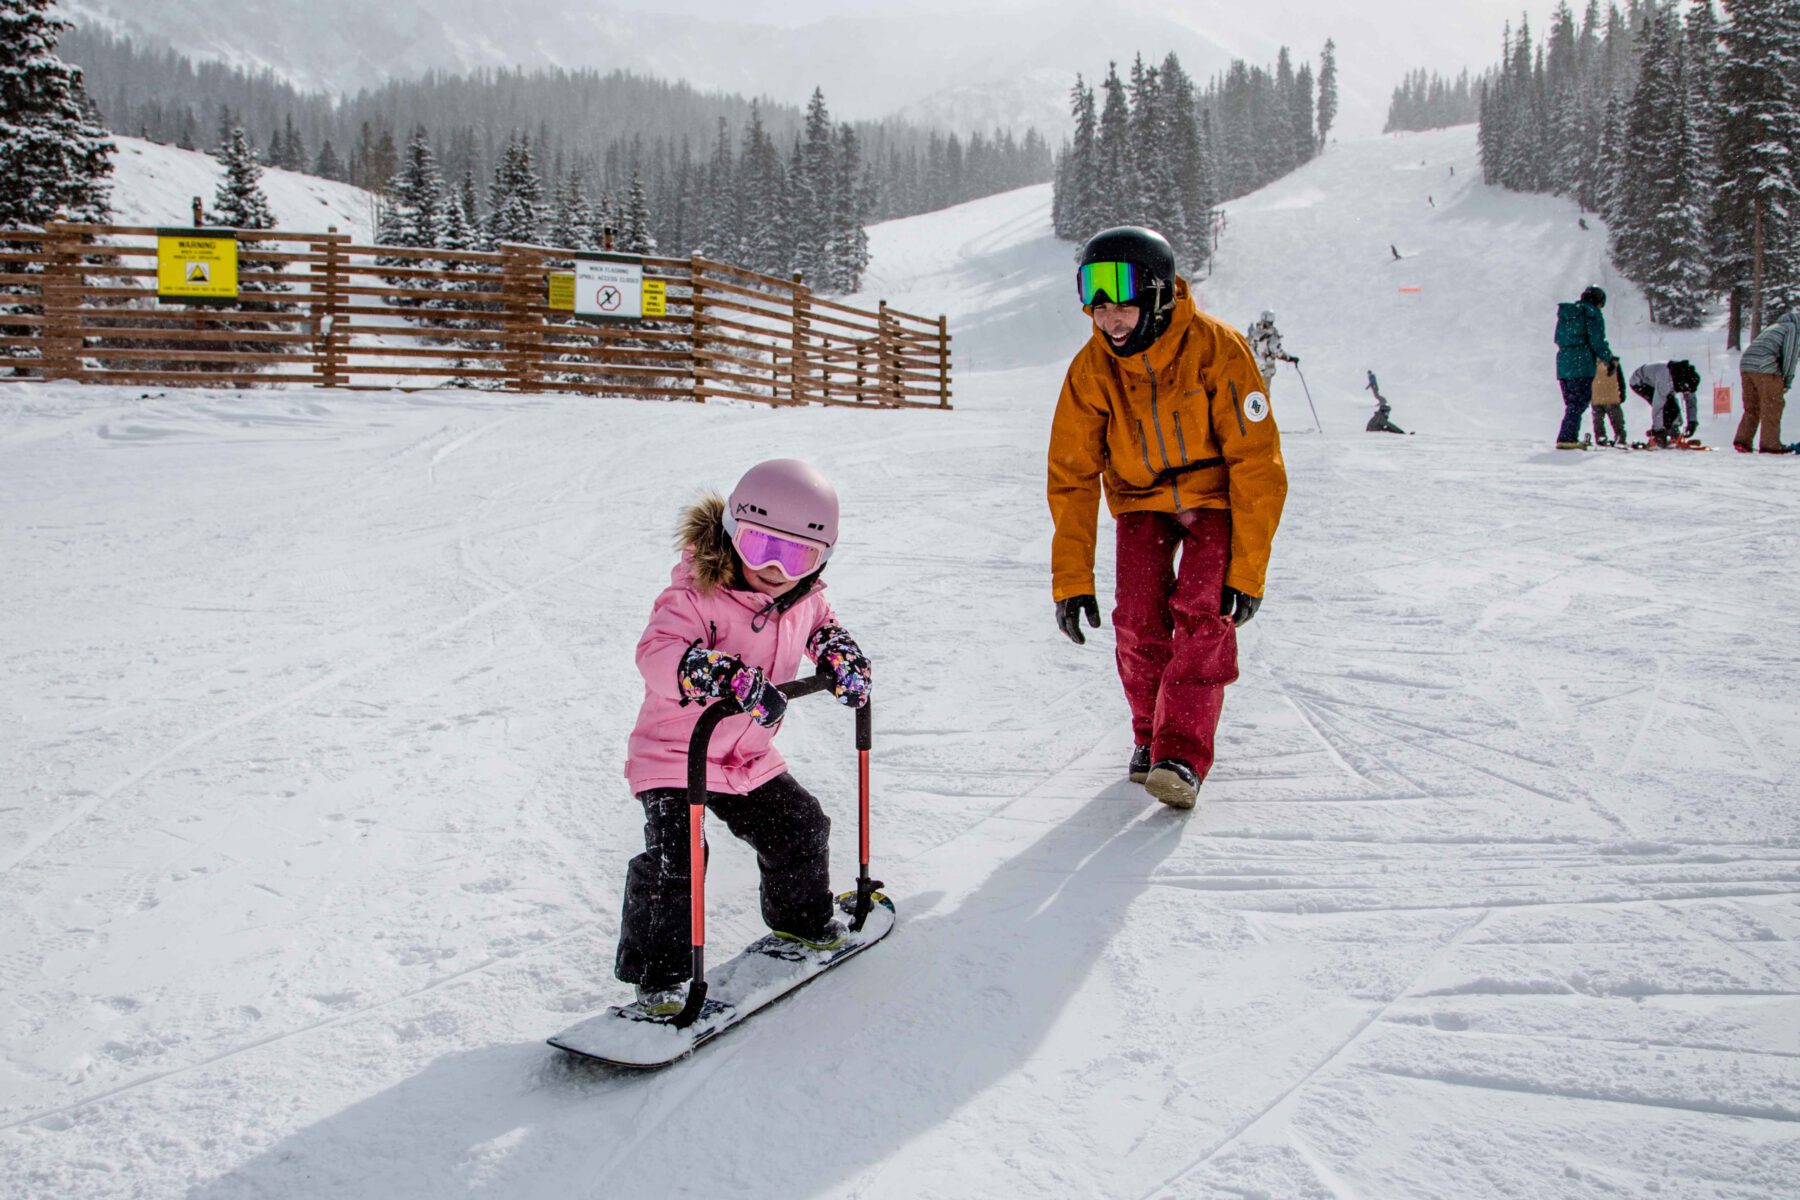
(1660, 384)
(1265, 343)
(1609, 405)
(741, 605)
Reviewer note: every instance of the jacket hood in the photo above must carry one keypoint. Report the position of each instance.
(708, 562)
(1163, 350)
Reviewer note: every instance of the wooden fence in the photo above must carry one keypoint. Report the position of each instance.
(79, 302)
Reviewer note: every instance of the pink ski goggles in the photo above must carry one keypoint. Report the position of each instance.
(760, 547)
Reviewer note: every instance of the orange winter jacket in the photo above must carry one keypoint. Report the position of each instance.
(1184, 425)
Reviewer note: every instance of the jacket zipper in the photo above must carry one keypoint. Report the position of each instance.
(1237, 408)
(1144, 449)
(1161, 445)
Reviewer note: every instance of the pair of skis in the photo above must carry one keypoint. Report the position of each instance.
(764, 971)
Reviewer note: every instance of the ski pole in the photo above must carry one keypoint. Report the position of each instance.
(1309, 400)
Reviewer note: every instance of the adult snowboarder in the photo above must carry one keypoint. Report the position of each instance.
(1163, 411)
(1379, 422)
(1580, 349)
(1767, 366)
(1265, 343)
(1664, 385)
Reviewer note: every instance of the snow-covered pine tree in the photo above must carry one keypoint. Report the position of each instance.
(1187, 154)
(516, 198)
(1328, 91)
(810, 186)
(414, 212)
(719, 233)
(238, 200)
(1115, 202)
(55, 161)
(764, 243)
(1677, 277)
(1075, 168)
(1648, 152)
(327, 164)
(634, 227)
(571, 216)
(1759, 143)
(849, 208)
(1152, 159)
(1300, 117)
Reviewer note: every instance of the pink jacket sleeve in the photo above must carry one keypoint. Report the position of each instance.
(675, 624)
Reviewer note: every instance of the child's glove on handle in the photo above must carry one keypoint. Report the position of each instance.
(841, 658)
(713, 675)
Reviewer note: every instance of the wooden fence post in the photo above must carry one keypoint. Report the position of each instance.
(943, 362)
(887, 346)
(61, 289)
(797, 359)
(331, 351)
(697, 326)
(520, 322)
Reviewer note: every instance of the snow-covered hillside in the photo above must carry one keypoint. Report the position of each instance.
(154, 184)
(314, 708)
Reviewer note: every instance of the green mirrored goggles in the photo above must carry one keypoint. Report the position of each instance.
(1107, 283)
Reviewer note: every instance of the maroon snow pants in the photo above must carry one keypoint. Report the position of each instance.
(1175, 652)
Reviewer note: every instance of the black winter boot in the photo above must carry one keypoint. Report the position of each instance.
(1173, 782)
(1140, 764)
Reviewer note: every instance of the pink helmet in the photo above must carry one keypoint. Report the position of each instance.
(788, 496)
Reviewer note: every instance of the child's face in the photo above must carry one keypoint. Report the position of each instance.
(769, 581)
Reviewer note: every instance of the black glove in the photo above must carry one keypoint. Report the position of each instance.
(1068, 616)
(1239, 606)
(1294, 358)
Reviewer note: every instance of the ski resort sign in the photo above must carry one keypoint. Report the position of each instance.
(613, 287)
(196, 266)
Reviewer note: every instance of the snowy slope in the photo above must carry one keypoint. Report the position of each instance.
(315, 707)
(154, 184)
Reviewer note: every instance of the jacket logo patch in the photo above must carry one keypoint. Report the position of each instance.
(1256, 407)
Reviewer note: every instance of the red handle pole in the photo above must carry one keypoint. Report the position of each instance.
(697, 871)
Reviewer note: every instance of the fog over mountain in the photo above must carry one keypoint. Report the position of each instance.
(1010, 62)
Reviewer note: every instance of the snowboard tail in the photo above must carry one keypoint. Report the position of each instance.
(763, 972)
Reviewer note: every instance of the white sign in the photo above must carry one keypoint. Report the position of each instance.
(609, 289)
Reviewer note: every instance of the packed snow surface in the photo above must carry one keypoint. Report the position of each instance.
(313, 710)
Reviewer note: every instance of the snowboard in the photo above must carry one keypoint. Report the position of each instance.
(762, 973)
(1674, 444)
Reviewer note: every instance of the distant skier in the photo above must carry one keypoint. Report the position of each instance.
(1662, 384)
(1163, 411)
(1580, 349)
(743, 604)
(1394, 250)
(1768, 364)
(1609, 405)
(1379, 423)
(1265, 343)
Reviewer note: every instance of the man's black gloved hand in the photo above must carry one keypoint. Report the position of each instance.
(1239, 606)
(1294, 358)
(1068, 616)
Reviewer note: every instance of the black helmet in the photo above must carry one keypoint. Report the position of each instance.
(1595, 296)
(1150, 286)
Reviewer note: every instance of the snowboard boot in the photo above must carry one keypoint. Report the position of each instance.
(659, 1002)
(1173, 782)
(829, 938)
(1661, 437)
(1140, 764)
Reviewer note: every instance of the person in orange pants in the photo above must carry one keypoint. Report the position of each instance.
(1164, 412)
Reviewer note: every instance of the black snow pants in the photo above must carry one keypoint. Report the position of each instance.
(780, 820)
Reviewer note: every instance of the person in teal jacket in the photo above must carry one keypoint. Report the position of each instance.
(1580, 349)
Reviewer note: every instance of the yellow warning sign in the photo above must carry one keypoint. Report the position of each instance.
(656, 298)
(562, 291)
(198, 265)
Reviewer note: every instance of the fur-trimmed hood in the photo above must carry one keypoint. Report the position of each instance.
(702, 535)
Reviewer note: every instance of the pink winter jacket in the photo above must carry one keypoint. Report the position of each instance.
(742, 755)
